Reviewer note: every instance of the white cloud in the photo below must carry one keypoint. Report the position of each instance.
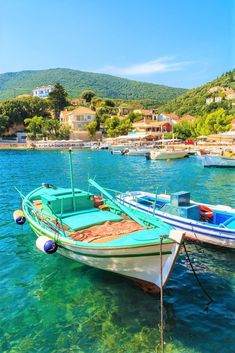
(164, 64)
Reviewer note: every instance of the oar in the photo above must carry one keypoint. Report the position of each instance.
(123, 208)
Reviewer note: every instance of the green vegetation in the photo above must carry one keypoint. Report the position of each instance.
(57, 99)
(37, 113)
(115, 126)
(213, 123)
(194, 101)
(15, 111)
(75, 82)
(88, 95)
(92, 128)
(39, 128)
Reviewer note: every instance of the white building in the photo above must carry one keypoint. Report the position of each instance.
(43, 91)
(209, 101)
(218, 99)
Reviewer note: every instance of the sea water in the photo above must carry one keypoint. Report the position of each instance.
(49, 303)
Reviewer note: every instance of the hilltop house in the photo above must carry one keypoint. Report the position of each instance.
(43, 91)
(213, 100)
(78, 119)
(123, 110)
(147, 113)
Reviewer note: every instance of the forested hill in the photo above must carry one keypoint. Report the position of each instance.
(74, 81)
(219, 92)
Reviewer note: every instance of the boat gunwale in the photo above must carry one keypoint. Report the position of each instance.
(61, 238)
(182, 220)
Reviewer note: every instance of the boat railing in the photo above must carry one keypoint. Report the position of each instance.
(45, 220)
(150, 203)
(122, 196)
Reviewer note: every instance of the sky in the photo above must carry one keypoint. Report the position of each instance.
(179, 43)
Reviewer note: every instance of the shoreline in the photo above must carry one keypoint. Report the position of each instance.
(24, 146)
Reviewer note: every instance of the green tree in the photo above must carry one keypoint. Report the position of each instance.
(64, 132)
(92, 128)
(20, 109)
(134, 116)
(112, 125)
(35, 127)
(218, 121)
(51, 128)
(88, 95)
(182, 130)
(109, 102)
(125, 126)
(58, 99)
(3, 123)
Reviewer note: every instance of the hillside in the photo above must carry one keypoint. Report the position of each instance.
(204, 99)
(74, 81)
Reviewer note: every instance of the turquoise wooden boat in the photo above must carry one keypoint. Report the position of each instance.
(100, 232)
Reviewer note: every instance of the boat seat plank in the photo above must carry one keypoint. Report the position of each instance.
(85, 220)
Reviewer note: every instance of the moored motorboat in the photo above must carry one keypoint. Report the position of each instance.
(166, 154)
(115, 151)
(212, 224)
(136, 151)
(100, 232)
(216, 161)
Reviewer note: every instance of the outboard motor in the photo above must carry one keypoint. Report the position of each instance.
(147, 155)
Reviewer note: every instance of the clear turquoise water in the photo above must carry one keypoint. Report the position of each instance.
(51, 304)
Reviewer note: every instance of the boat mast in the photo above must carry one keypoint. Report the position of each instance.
(71, 178)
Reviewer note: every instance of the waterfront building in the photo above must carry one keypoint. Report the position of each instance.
(151, 127)
(78, 119)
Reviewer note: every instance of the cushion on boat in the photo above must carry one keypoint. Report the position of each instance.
(88, 219)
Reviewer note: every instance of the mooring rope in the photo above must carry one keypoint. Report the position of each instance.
(161, 299)
(196, 276)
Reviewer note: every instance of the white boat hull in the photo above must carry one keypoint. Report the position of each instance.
(218, 161)
(194, 230)
(158, 155)
(141, 263)
(140, 152)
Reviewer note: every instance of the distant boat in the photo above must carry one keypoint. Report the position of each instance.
(136, 151)
(166, 154)
(212, 224)
(102, 233)
(115, 151)
(210, 160)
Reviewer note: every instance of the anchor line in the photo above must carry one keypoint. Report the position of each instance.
(196, 276)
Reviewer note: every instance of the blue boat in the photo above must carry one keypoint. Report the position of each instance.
(218, 161)
(212, 224)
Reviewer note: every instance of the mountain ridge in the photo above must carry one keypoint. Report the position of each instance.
(194, 101)
(75, 81)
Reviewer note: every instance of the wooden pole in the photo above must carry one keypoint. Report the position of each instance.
(71, 178)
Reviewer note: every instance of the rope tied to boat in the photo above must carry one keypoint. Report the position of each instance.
(161, 298)
(199, 282)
